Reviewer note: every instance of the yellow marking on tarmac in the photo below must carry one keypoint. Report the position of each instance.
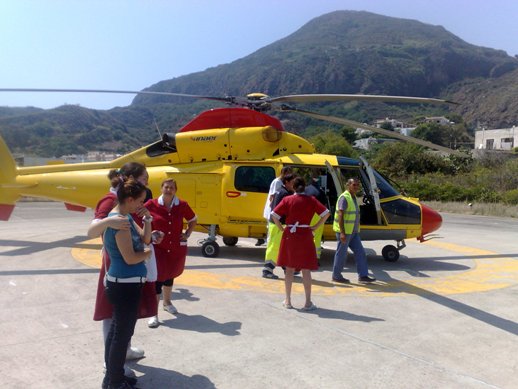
(89, 256)
(491, 271)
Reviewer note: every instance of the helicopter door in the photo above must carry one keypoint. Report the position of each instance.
(245, 191)
(336, 180)
(373, 191)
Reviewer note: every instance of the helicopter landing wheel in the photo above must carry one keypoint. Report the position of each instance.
(390, 253)
(230, 240)
(210, 249)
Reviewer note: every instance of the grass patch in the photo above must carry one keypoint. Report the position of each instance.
(484, 209)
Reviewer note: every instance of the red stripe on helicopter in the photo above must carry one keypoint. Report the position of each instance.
(5, 211)
(231, 118)
(73, 207)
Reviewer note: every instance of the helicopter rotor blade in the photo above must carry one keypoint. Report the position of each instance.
(244, 101)
(344, 97)
(223, 99)
(391, 134)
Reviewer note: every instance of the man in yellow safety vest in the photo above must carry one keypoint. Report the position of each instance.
(347, 228)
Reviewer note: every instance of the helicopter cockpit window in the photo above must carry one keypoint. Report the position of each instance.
(386, 190)
(254, 178)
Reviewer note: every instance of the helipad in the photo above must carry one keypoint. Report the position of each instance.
(487, 271)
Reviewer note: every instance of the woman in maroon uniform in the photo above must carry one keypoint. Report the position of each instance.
(297, 250)
(169, 213)
(103, 309)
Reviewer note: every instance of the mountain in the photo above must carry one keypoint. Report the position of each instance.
(340, 52)
(488, 102)
(349, 52)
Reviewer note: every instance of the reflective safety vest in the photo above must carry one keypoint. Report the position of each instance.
(349, 214)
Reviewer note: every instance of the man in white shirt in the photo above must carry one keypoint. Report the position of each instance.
(275, 186)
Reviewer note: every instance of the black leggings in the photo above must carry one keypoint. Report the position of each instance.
(125, 299)
(158, 285)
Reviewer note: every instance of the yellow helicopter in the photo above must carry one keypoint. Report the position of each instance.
(224, 161)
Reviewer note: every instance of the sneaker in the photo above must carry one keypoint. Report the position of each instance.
(341, 280)
(124, 385)
(270, 275)
(128, 373)
(130, 380)
(366, 279)
(260, 242)
(171, 309)
(134, 353)
(153, 322)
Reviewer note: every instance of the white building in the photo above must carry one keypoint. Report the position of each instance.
(393, 122)
(366, 143)
(498, 139)
(406, 131)
(438, 120)
(397, 125)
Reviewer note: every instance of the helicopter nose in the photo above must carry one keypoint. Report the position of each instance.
(432, 220)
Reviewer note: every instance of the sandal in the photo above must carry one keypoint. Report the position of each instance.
(311, 307)
(286, 305)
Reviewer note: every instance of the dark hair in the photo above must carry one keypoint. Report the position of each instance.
(287, 178)
(171, 180)
(286, 170)
(129, 188)
(299, 185)
(113, 176)
(132, 169)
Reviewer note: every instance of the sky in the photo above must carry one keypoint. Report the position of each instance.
(131, 45)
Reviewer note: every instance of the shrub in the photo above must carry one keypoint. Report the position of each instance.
(510, 197)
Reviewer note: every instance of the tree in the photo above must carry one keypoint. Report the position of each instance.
(432, 132)
(387, 126)
(331, 143)
(401, 159)
(349, 134)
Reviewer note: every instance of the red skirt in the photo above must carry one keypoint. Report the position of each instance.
(172, 264)
(148, 306)
(297, 249)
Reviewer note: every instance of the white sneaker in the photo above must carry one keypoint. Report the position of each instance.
(127, 371)
(171, 309)
(134, 353)
(153, 322)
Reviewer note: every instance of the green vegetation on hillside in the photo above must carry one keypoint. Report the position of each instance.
(429, 176)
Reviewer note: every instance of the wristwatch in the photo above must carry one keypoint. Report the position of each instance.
(147, 218)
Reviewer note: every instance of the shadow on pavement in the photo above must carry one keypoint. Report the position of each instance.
(183, 294)
(325, 313)
(154, 377)
(253, 254)
(48, 272)
(203, 324)
(31, 247)
(465, 309)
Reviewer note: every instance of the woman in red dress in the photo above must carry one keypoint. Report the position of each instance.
(169, 213)
(103, 309)
(297, 250)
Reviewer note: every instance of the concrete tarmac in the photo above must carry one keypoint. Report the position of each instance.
(443, 316)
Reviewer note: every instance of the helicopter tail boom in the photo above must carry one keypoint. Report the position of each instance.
(9, 193)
